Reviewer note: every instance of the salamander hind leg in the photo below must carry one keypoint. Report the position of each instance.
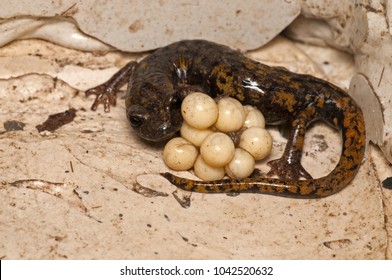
(289, 165)
(106, 93)
(285, 169)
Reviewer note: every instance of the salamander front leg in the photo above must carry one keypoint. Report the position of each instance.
(106, 92)
(289, 165)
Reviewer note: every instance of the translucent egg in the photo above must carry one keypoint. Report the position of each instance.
(217, 149)
(179, 154)
(253, 117)
(256, 141)
(231, 115)
(241, 166)
(199, 110)
(194, 135)
(207, 172)
(205, 145)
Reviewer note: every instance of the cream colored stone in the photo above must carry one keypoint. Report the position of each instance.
(140, 25)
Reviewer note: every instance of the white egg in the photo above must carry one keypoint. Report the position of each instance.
(205, 125)
(179, 154)
(194, 135)
(199, 110)
(231, 115)
(217, 149)
(241, 166)
(207, 172)
(257, 141)
(253, 117)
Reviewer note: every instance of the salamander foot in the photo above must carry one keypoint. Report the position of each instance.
(105, 94)
(287, 170)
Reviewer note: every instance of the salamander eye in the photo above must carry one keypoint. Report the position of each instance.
(176, 101)
(135, 120)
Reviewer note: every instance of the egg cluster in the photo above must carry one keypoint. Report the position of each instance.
(205, 143)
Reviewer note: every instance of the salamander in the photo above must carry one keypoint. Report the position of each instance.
(159, 82)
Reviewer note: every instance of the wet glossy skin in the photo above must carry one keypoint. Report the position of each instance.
(158, 84)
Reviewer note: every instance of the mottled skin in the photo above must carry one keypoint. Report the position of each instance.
(158, 84)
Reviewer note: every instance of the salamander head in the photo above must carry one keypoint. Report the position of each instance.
(154, 115)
